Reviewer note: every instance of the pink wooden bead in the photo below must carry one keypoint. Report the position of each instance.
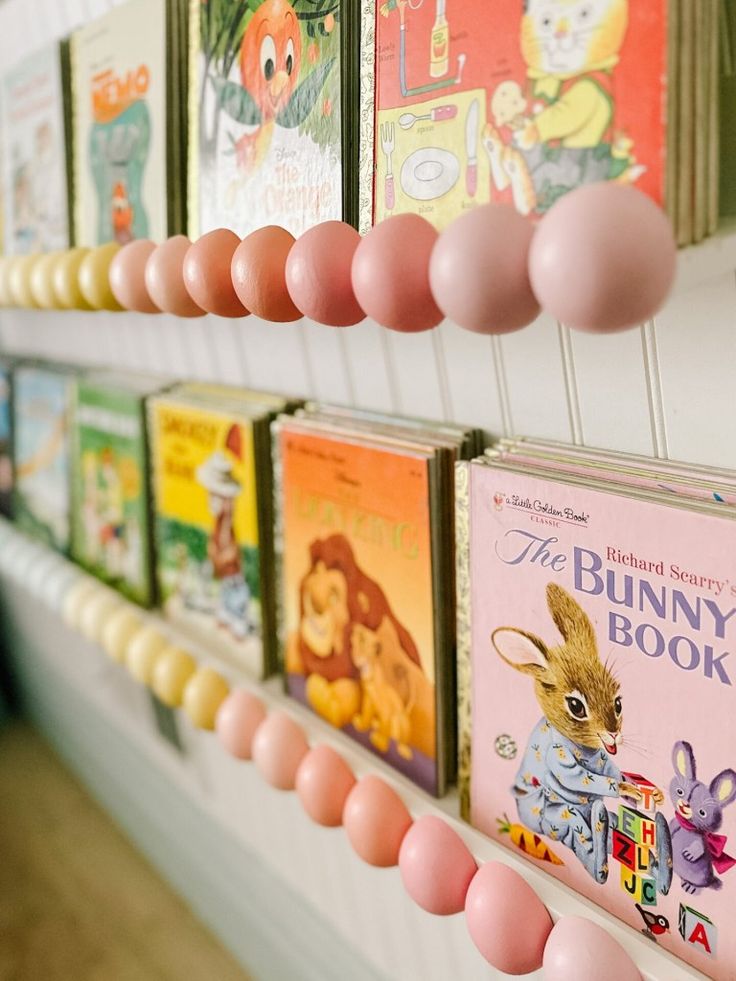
(318, 274)
(259, 274)
(391, 274)
(128, 276)
(323, 782)
(603, 259)
(436, 866)
(279, 745)
(165, 278)
(207, 273)
(376, 820)
(507, 921)
(479, 270)
(237, 720)
(578, 950)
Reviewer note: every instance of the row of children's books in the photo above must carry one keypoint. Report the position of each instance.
(552, 625)
(166, 116)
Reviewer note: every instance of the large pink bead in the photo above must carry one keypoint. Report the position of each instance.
(258, 272)
(237, 720)
(207, 273)
(376, 820)
(323, 782)
(128, 276)
(479, 270)
(436, 866)
(279, 745)
(578, 950)
(507, 921)
(391, 274)
(603, 259)
(165, 278)
(318, 274)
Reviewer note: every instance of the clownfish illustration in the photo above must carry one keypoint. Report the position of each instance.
(122, 214)
(269, 93)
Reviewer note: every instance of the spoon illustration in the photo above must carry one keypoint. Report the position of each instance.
(436, 115)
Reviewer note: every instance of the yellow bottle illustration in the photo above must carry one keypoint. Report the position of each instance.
(439, 61)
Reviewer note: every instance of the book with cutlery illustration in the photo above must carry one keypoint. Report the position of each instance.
(271, 115)
(129, 71)
(366, 568)
(33, 118)
(213, 526)
(522, 102)
(597, 623)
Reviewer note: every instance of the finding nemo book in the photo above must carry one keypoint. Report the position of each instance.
(358, 615)
(127, 77)
(271, 113)
(596, 674)
(506, 100)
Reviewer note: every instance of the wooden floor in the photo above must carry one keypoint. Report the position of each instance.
(77, 902)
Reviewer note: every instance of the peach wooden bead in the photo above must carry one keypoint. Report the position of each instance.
(207, 275)
(323, 783)
(603, 258)
(259, 274)
(507, 921)
(171, 673)
(19, 280)
(42, 284)
(578, 950)
(144, 648)
(6, 264)
(479, 270)
(436, 866)
(65, 278)
(94, 277)
(203, 694)
(165, 278)
(376, 820)
(237, 720)
(119, 631)
(318, 274)
(390, 274)
(128, 276)
(279, 746)
(76, 599)
(96, 612)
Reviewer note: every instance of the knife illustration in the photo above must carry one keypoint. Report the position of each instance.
(471, 149)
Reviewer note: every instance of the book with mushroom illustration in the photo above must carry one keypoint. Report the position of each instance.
(597, 627)
(512, 101)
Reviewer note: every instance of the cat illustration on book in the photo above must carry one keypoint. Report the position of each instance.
(558, 131)
(567, 771)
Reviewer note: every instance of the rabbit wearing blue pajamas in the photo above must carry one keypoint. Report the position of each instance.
(558, 792)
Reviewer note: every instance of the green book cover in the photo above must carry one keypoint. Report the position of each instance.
(112, 533)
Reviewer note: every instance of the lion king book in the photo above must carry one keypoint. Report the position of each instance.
(595, 659)
(367, 644)
(34, 179)
(521, 102)
(212, 489)
(271, 114)
(128, 101)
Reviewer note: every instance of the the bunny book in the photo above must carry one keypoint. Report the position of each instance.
(597, 623)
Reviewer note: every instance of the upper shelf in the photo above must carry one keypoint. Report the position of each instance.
(714, 257)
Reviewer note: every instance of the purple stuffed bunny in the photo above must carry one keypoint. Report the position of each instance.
(698, 852)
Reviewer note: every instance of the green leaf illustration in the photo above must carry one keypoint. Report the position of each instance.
(304, 97)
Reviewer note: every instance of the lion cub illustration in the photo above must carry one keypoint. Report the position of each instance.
(385, 709)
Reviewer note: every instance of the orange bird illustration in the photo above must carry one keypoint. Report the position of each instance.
(269, 94)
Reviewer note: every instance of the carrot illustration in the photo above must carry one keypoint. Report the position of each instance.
(528, 842)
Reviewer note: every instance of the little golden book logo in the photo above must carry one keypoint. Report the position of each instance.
(546, 509)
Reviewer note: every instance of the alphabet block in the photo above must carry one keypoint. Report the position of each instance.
(643, 858)
(647, 788)
(696, 929)
(631, 883)
(629, 822)
(624, 850)
(648, 891)
(647, 833)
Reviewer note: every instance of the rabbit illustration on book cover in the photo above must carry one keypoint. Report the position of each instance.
(567, 771)
(698, 852)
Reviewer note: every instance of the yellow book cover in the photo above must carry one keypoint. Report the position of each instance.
(357, 594)
(208, 557)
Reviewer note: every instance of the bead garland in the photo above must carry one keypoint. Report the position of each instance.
(437, 869)
(601, 260)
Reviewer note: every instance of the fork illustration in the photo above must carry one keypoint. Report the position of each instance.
(387, 145)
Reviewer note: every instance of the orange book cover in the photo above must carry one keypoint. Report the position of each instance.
(357, 594)
(506, 100)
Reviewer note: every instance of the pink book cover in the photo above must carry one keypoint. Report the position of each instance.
(596, 676)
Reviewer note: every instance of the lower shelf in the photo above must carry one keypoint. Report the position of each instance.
(289, 898)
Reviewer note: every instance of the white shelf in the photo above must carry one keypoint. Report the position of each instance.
(711, 259)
